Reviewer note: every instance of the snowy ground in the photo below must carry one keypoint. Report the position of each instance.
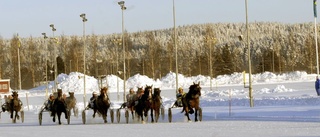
(285, 105)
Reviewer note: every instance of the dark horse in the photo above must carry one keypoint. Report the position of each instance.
(15, 106)
(59, 105)
(144, 102)
(191, 100)
(102, 104)
(156, 104)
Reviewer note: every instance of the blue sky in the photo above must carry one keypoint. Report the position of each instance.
(32, 17)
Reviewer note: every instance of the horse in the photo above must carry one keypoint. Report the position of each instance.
(102, 104)
(191, 100)
(15, 106)
(156, 104)
(71, 102)
(144, 102)
(59, 105)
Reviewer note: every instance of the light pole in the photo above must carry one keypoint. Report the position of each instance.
(54, 56)
(117, 42)
(175, 44)
(249, 57)
(45, 42)
(84, 19)
(123, 7)
(210, 40)
(19, 44)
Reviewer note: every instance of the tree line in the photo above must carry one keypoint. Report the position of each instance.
(275, 47)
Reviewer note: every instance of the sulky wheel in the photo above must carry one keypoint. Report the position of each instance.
(40, 118)
(170, 115)
(76, 112)
(112, 115)
(118, 115)
(200, 114)
(162, 113)
(127, 116)
(84, 116)
(22, 116)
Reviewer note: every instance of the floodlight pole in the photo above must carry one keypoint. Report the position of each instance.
(45, 42)
(84, 19)
(315, 36)
(19, 68)
(117, 42)
(175, 44)
(55, 58)
(249, 57)
(123, 7)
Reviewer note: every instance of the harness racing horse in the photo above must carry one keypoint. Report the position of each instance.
(156, 104)
(59, 105)
(71, 102)
(144, 102)
(191, 100)
(102, 104)
(15, 106)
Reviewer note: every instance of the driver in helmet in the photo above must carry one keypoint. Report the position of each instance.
(92, 99)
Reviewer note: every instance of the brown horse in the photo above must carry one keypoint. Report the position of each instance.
(15, 106)
(156, 104)
(144, 102)
(191, 100)
(59, 106)
(71, 102)
(102, 104)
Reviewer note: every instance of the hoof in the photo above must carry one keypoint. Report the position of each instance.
(191, 111)
(53, 119)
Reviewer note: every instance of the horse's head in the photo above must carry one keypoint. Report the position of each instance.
(148, 90)
(59, 92)
(156, 91)
(104, 91)
(15, 94)
(195, 90)
(71, 94)
(140, 90)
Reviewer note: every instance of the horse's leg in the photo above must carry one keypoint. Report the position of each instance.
(94, 113)
(131, 109)
(65, 114)
(186, 109)
(15, 115)
(53, 114)
(11, 114)
(142, 116)
(151, 114)
(188, 116)
(59, 117)
(74, 111)
(196, 115)
(104, 116)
